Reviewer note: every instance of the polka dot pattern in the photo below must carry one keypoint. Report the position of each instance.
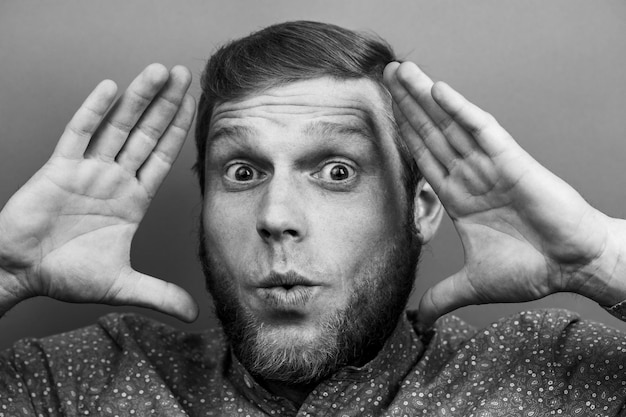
(536, 363)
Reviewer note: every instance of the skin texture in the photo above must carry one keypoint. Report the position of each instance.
(273, 206)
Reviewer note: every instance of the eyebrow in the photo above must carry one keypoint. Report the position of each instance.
(230, 132)
(326, 129)
(329, 129)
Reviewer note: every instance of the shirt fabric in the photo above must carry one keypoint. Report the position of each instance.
(537, 363)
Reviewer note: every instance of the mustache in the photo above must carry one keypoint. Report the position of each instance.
(286, 279)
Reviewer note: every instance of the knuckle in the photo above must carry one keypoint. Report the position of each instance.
(418, 151)
(94, 112)
(177, 130)
(120, 126)
(172, 103)
(486, 122)
(77, 130)
(150, 133)
(141, 99)
(445, 123)
(163, 158)
(489, 120)
(425, 129)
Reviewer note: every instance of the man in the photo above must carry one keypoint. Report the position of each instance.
(309, 137)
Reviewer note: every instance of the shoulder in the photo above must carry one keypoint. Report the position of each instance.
(520, 325)
(119, 357)
(556, 329)
(542, 330)
(576, 365)
(134, 330)
(116, 335)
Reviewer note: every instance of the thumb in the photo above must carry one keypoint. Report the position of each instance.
(143, 290)
(453, 292)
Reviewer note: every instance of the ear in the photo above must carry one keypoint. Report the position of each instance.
(428, 212)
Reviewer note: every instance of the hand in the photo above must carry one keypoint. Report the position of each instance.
(67, 232)
(525, 232)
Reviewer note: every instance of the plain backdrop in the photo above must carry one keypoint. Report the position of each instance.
(552, 72)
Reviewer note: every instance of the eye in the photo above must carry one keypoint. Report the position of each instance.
(336, 172)
(242, 173)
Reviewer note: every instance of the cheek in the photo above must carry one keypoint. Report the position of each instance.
(227, 228)
(358, 229)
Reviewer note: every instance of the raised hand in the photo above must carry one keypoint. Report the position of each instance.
(67, 232)
(525, 232)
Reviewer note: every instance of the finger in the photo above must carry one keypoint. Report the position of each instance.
(417, 116)
(145, 291)
(446, 296)
(122, 118)
(489, 135)
(160, 161)
(144, 137)
(429, 166)
(86, 120)
(419, 86)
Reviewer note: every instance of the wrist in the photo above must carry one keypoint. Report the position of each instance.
(11, 291)
(604, 278)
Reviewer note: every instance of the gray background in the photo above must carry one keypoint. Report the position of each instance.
(552, 72)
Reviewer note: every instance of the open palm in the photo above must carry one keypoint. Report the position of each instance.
(67, 232)
(525, 232)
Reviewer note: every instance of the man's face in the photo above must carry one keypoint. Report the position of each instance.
(307, 241)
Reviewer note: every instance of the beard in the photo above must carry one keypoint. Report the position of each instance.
(352, 335)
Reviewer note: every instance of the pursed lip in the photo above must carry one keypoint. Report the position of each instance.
(285, 280)
(286, 292)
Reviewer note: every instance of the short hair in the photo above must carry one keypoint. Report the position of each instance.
(288, 52)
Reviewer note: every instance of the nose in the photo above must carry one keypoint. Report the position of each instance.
(280, 214)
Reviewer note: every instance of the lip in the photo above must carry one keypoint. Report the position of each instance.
(287, 292)
(285, 280)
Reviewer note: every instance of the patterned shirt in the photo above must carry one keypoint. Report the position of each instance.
(531, 364)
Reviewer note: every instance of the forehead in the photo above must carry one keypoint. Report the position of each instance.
(354, 103)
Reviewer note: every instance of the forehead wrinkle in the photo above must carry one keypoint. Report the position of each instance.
(327, 129)
(278, 98)
(233, 132)
(369, 117)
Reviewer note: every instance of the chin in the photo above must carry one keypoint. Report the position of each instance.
(293, 353)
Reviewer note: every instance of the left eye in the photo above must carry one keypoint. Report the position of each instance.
(336, 171)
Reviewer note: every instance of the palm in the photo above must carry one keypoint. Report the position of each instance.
(76, 239)
(520, 227)
(67, 232)
(525, 232)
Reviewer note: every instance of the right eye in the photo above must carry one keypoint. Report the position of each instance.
(242, 173)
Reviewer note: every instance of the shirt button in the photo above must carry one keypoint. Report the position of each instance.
(246, 379)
